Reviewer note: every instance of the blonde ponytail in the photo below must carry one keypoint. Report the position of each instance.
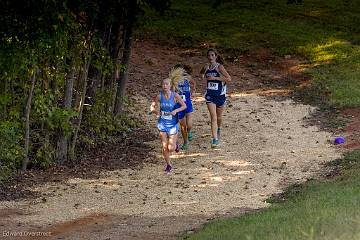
(176, 75)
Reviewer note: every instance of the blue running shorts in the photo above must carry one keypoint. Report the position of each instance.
(219, 101)
(170, 130)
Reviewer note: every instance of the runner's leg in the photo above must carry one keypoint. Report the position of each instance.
(213, 117)
(189, 124)
(165, 148)
(219, 112)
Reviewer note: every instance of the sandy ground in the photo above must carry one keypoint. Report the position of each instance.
(266, 145)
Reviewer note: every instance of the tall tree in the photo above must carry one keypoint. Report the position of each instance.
(27, 121)
(121, 74)
(56, 33)
(121, 71)
(62, 147)
(81, 107)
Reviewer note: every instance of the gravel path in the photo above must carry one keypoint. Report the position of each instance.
(265, 146)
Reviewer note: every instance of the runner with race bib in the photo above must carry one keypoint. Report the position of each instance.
(168, 123)
(216, 82)
(183, 83)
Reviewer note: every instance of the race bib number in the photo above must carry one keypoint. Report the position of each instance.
(213, 86)
(166, 115)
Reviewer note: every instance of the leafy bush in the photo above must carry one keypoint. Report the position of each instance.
(11, 151)
(101, 124)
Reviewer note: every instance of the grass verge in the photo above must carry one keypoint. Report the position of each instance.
(316, 210)
(325, 33)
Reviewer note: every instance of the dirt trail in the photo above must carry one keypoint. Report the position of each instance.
(266, 145)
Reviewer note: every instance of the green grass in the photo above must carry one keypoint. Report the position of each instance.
(326, 33)
(318, 210)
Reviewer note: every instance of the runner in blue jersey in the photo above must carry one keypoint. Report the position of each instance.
(186, 87)
(167, 119)
(216, 82)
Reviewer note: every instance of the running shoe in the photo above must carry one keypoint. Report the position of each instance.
(190, 135)
(177, 148)
(168, 168)
(214, 143)
(185, 147)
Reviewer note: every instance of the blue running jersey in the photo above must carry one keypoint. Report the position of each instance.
(185, 94)
(184, 90)
(214, 87)
(167, 120)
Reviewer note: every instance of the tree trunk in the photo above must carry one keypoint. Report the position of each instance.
(119, 40)
(62, 147)
(27, 122)
(54, 85)
(77, 93)
(122, 76)
(81, 108)
(4, 91)
(114, 94)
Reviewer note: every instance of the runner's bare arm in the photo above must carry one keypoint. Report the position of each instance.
(153, 106)
(192, 85)
(202, 73)
(182, 105)
(225, 77)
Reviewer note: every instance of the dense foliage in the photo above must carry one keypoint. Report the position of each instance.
(61, 65)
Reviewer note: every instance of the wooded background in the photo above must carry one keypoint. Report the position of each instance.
(63, 76)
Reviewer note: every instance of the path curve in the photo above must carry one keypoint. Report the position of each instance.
(266, 145)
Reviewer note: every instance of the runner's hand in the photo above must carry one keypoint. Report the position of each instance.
(155, 112)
